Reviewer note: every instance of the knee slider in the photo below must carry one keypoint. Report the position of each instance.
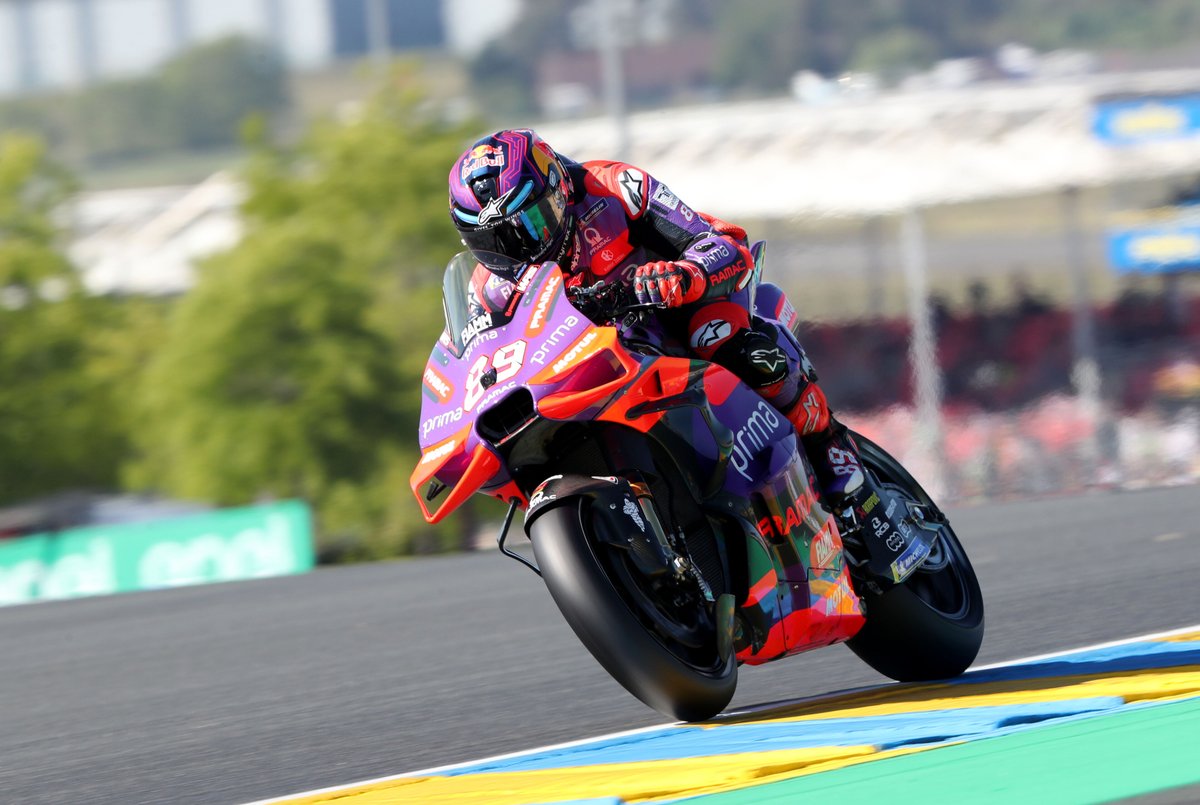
(755, 356)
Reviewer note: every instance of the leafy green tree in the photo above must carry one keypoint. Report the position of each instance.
(56, 424)
(293, 367)
(210, 90)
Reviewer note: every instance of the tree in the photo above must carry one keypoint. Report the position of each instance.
(292, 368)
(56, 423)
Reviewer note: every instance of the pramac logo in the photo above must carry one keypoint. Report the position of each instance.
(543, 307)
(437, 386)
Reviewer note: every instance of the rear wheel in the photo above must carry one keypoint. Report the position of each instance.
(931, 626)
(654, 633)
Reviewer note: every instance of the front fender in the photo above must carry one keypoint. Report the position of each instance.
(611, 492)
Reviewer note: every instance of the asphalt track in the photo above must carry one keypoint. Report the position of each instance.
(230, 693)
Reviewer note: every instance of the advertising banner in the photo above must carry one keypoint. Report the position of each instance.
(1156, 241)
(224, 545)
(1141, 121)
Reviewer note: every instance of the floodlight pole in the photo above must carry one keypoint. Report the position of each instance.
(378, 32)
(614, 79)
(1085, 372)
(922, 353)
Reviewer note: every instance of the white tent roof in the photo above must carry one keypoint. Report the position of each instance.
(781, 159)
(768, 159)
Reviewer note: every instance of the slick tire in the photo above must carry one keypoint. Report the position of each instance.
(931, 627)
(607, 624)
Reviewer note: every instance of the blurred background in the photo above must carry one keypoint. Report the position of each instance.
(223, 226)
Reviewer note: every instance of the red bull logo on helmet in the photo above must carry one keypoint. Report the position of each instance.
(482, 156)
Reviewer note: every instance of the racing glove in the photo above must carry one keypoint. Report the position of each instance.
(669, 283)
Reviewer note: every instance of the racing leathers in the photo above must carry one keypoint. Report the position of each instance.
(630, 228)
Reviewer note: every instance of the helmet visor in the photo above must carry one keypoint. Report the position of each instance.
(522, 238)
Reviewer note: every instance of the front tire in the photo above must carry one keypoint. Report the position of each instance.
(931, 626)
(681, 678)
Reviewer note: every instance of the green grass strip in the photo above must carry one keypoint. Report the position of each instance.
(1095, 759)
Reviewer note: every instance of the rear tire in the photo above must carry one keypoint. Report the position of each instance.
(687, 682)
(931, 626)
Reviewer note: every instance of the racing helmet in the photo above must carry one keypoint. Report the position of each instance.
(509, 201)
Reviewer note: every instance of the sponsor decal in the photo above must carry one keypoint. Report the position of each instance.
(873, 501)
(576, 352)
(781, 525)
(593, 238)
(812, 410)
(752, 437)
(440, 421)
(439, 451)
(713, 255)
(553, 340)
(494, 208)
(665, 197)
(496, 394)
(545, 303)
(787, 314)
(711, 334)
(479, 341)
(435, 382)
(771, 359)
(823, 550)
(526, 279)
(593, 211)
(891, 508)
(475, 326)
(727, 273)
(631, 509)
(907, 561)
(540, 497)
(633, 189)
(482, 156)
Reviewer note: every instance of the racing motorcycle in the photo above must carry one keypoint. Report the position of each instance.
(672, 511)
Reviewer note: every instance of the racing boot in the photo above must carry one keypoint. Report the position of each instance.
(831, 451)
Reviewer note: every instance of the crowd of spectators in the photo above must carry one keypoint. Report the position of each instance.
(1002, 358)
(1013, 424)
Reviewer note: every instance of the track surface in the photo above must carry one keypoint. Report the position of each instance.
(230, 693)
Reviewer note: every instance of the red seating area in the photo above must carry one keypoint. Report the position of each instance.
(1007, 359)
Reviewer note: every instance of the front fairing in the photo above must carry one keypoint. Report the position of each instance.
(477, 363)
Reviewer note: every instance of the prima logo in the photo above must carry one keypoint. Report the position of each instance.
(440, 421)
(553, 340)
(753, 437)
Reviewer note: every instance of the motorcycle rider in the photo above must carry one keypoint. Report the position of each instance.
(517, 203)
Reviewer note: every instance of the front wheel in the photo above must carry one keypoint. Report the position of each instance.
(931, 626)
(657, 638)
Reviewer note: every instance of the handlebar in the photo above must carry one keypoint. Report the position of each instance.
(609, 302)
